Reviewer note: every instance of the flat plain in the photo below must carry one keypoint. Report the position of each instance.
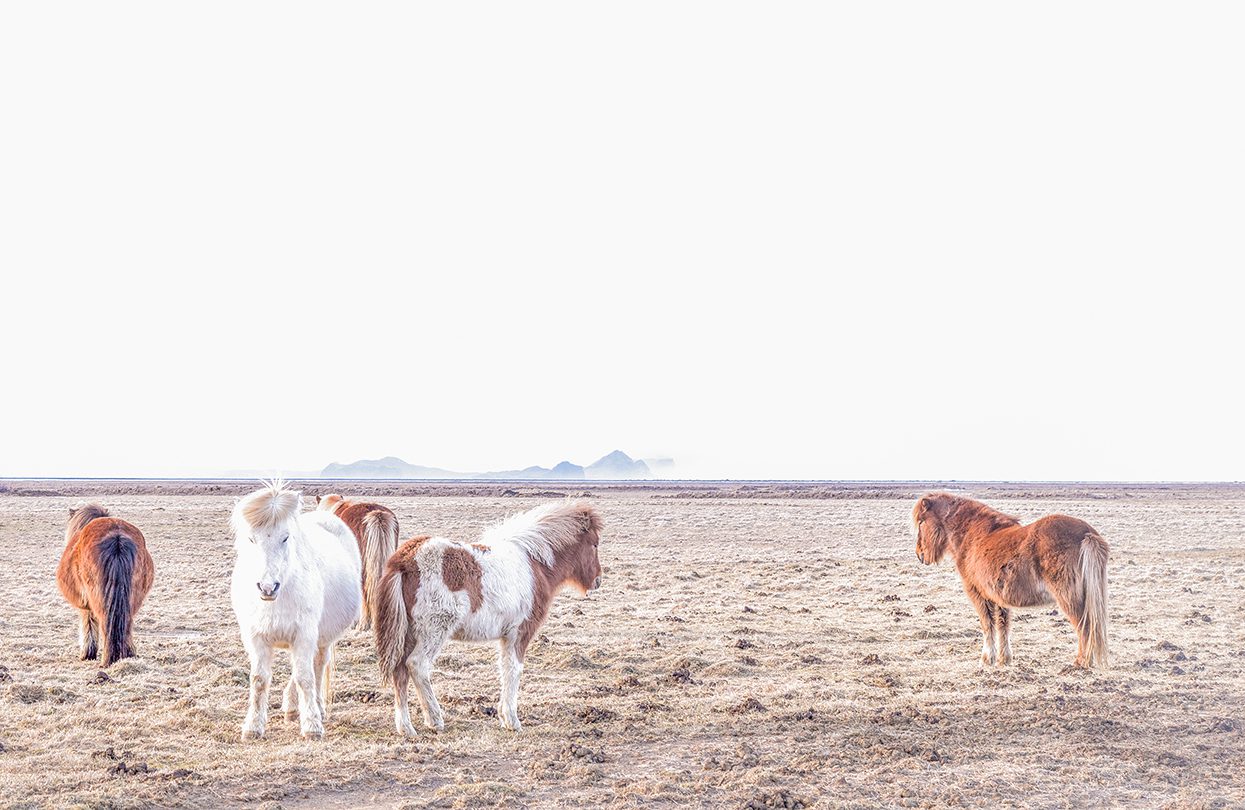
(764, 645)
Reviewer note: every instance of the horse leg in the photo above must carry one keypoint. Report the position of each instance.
(1004, 628)
(88, 638)
(401, 700)
(510, 667)
(321, 664)
(986, 611)
(426, 652)
(302, 659)
(288, 700)
(261, 677)
(1073, 609)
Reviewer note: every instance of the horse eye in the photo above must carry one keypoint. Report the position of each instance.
(284, 539)
(252, 538)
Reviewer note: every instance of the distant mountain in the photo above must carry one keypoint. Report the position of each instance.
(618, 465)
(614, 466)
(565, 471)
(387, 467)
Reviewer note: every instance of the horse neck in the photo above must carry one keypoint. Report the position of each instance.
(550, 579)
(972, 518)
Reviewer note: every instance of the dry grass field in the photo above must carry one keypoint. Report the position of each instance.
(774, 646)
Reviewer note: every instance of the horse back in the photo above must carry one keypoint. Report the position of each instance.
(335, 527)
(1017, 566)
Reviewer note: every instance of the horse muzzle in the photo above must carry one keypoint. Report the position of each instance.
(268, 593)
(596, 583)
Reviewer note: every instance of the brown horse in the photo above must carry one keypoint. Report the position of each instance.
(375, 529)
(499, 590)
(105, 572)
(1004, 565)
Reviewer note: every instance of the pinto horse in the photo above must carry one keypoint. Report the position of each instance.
(375, 529)
(295, 586)
(497, 590)
(1004, 565)
(105, 572)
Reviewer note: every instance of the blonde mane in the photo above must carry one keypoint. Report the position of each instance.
(546, 530)
(268, 507)
(81, 516)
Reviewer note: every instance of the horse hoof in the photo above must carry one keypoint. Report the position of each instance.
(313, 735)
(251, 734)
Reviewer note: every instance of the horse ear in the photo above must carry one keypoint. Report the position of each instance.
(316, 499)
(71, 510)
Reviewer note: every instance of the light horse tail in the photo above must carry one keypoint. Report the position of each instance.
(1093, 624)
(115, 557)
(380, 540)
(391, 625)
(327, 683)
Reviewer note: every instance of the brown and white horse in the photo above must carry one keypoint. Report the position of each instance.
(1004, 565)
(105, 572)
(499, 589)
(375, 528)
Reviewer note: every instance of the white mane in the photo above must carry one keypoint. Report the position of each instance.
(545, 530)
(268, 507)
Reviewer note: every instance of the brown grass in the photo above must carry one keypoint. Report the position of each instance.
(742, 652)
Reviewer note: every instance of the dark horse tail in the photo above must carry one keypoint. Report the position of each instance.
(117, 557)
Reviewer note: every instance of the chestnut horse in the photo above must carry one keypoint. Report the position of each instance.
(1004, 565)
(500, 589)
(375, 529)
(105, 572)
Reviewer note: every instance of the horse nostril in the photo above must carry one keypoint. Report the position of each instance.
(275, 585)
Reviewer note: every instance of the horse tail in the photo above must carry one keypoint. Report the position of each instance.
(1093, 624)
(380, 540)
(390, 625)
(117, 557)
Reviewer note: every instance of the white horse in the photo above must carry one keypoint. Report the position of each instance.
(499, 589)
(295, 586)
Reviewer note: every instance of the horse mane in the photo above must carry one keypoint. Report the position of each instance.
(267, 507)
(544, 531)
(979, 512)
(331, 502)
(82, 516)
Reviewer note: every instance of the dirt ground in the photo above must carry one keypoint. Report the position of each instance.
(760, 645)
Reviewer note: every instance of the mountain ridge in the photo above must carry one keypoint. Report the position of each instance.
(615, 465)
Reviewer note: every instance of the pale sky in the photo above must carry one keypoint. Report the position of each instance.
(798, 240)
